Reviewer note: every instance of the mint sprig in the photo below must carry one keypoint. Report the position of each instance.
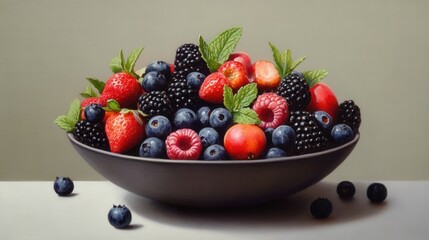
(88, 92)
(284, 62)
(238, 103)
(218, 50)
(119, 64)
(314, 76)
(68, 122)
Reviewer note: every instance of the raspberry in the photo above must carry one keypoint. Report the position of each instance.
(272, 109)
(184, 144)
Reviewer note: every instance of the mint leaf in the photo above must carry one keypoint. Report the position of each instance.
(116, 65)
(204, 48)
(296, 63)
(113, 105)
(132, 59)
(228, 98)
(278, 60)
(88, 92)
(314, 76)
(245, 96)
(246, 116)
(99, 85)
(224, 44)
(68, 122)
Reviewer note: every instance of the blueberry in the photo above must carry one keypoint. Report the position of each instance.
(341, 133)
(204, 116)
(321, 208)
(159, 66)
(346, 190)
(376, 192)
(63, 186)
(195, 79)
(152, 147)
(94, 113)
(269, 136)
(154, 81)
(324, 120)
(208, 136)
(220, 119)
(275, 153)
(185, 118)
(283, 137)
(119, 216)
(215, 152)
(158, 126)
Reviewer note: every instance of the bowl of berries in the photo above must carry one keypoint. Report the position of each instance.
(212, 129)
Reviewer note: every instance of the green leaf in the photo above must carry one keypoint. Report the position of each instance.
(245, 96)
(113, 105)
(122, 61)
(289, 61)
(116, 65)
(296, 63)
(246, 116)
(228, 98)
(74, 111)
(278, 60)
(68, 122)
(99, 85)
(204, 48)
(224, 44)
(132, 59)
(314, 76)
(88, 92)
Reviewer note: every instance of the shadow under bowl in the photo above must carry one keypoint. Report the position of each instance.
(214, 184)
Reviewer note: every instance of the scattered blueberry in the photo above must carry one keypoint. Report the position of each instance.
(215, 152)
(341, 133)
(283, 137)
(346, 189)
(195, 79)
(185, 118)
(321, 208)
(269, 136)
(220, 119)
(119, 216)
(159, 66)
(376, 192)
(152, 147)
(63, 186)
(158, 126)
(154, 81)
(208, 136)
(204, 116)
(275, 152)
(324, 120)
(94, 113)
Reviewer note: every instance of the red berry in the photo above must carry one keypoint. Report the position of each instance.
(88, 101)
(245, 141)
(183, 144)
(212, 88)
(235, 73)
(272, 110)
(266, 75)
(122, 87)
(323, 99)
(244, 59)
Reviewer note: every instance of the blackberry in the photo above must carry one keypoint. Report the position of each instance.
(349, 113)
(91, 134)
(295, 90)
(188, 59)
(309, 136)
(155, 103)
(181, 95)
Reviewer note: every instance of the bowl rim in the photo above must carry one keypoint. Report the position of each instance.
(217, 162)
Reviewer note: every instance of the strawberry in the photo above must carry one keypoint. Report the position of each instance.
(212, 88)
(122, 87)
(124, 130)
(266, 75)
(90, 100)
(236, 74)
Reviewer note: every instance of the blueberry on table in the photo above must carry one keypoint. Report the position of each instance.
(119, 216)
(346, 189)
(63, 186)
(376, 192)
(321, 208)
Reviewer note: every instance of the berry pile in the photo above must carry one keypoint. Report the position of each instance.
(212, 103)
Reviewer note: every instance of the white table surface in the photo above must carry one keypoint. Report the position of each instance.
(32, 210)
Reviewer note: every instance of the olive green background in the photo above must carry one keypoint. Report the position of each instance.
(376, 53)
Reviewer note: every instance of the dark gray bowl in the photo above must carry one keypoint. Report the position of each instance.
(217, 183)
